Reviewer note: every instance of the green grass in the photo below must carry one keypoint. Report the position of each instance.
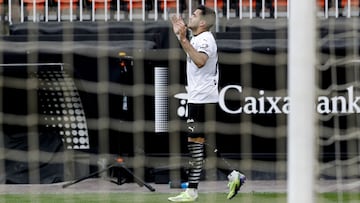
(161, 197)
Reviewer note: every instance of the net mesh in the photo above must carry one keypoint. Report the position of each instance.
(104, 84)
(338, 83)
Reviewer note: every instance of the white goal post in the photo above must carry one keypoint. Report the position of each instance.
(301, 88)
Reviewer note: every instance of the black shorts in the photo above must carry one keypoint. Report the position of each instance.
(197, 115)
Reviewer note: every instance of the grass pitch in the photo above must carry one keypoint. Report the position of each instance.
(162, 197)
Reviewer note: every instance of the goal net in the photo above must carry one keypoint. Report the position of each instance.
(90, 84)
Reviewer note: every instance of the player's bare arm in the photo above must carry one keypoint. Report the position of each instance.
(199, 58)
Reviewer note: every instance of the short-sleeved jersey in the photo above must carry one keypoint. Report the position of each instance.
(203, 82)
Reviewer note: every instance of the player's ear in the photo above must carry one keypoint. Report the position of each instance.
(202, 23)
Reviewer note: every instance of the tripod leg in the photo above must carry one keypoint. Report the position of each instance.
(86, 177)
(138, 180)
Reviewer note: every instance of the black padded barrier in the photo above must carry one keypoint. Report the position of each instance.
(59, 125)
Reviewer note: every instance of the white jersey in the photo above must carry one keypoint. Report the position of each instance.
(203, 82)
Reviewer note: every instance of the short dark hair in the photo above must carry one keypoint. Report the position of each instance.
(208, 14)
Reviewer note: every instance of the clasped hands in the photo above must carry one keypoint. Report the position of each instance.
(179, 27)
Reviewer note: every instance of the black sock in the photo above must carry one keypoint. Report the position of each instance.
(197, 160)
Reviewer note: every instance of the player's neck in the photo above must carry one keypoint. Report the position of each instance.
(198, 32)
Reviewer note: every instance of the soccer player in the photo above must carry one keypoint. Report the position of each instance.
(202, 87)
